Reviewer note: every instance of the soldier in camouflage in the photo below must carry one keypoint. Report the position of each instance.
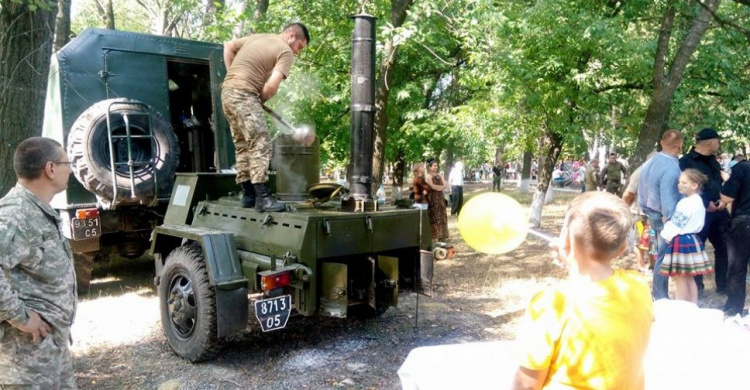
(37, 282)
(614, 173)
(256, 65)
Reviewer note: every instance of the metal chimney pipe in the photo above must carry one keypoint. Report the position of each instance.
(363, 113)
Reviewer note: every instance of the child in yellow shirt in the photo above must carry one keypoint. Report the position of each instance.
(590, 331)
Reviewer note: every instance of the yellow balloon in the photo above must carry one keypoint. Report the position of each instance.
(493, 223)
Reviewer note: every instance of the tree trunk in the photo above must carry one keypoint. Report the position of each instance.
(106, 13)
(553, 146)
(212, 8)
(449, 161)
(383, 91)
(399, 170)
(525, 172)
(25, 49)
(666, 81)
(62, 24)
(261, 7)
(654, 125)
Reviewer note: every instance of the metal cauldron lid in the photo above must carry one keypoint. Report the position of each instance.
(325, 190)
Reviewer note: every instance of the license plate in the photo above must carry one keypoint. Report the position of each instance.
(273, 313)
(84, 229)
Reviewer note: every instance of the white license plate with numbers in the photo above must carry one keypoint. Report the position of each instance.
(273, 313)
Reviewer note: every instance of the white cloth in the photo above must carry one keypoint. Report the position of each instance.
(688, 217)
(482, 365)
(456, 177)
(689, 349)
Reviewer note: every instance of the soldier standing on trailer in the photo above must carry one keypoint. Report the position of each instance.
(256, 66)
(37, 279)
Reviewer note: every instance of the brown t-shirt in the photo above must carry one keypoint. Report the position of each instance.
(259, 55)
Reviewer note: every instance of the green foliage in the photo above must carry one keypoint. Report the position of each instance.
(129, 16)
(44, 5)
(476, 75)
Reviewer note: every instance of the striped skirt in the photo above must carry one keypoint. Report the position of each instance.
(685, 256)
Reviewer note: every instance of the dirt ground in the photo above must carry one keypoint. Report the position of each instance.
(119, 344)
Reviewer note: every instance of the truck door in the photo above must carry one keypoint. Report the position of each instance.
(134, 75)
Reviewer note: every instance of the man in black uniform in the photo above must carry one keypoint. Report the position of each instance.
(737, 191)
(703, 158)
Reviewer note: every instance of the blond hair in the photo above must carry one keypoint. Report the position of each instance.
(600, 223)
(696, 176)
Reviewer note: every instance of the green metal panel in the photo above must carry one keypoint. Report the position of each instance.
(151, 85)
(333, 297)
(296, 166)
(219, 250)
(250, 269)
(338, 235)
(389, 266)
(222, 261)
(181, 201)
(398, 230)
(191, 188)
(272, 234)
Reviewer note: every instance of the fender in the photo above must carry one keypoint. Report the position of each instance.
(224, 270)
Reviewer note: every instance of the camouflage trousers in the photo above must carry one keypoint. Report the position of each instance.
(25, 365)
(614, 187)
(252, 144)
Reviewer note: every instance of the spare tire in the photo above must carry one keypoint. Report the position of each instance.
(88, 148)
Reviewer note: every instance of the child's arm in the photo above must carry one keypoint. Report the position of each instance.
(527, 379)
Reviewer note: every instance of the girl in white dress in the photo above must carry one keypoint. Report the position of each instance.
(686, 254)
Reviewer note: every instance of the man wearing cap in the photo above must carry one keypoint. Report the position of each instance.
(703, 158)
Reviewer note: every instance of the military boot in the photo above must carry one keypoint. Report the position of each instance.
(264, 200)
(248, 195)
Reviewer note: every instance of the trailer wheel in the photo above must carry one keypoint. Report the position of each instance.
(88, 148)
(188, 304)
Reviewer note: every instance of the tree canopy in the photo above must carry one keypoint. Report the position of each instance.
(476, 79)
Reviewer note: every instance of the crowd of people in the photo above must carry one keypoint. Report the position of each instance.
(680, 202)
(664, 180)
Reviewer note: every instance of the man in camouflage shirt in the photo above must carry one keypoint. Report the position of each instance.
(613, 173)
(37, 282)
(256, 66)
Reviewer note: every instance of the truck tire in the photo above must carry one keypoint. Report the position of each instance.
(88, 148)
(188, 304)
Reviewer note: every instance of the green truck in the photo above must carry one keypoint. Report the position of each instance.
(141, 118)
(132, 110)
